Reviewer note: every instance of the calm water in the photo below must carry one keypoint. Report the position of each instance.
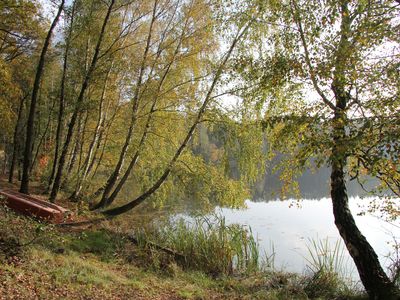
(287, 228)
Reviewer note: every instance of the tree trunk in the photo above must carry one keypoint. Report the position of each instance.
(100, 139)
(82, 141)
(137, 201)
(57, 180)
(31, 117)
(75, 149)
(16, 144)
(61, 108)
(43, 137)
(374, 279)
(94, 142)
(105, 131)
(110, 199)
(6, 156)
(118, 167)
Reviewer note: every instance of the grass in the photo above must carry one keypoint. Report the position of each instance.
(394, 263)
(207, 244)
(330, 275)
(322, 256)
(99, 242)
(41, 261)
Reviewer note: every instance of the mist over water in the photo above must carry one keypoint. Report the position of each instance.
(286, 228)
(312, 185)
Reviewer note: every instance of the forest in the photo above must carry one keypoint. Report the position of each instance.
(116, 107)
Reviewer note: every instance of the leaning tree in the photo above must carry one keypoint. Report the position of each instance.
(325, 76)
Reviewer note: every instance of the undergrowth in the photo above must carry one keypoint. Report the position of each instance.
(213, 260)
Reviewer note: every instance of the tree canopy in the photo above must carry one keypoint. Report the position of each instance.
(113, 103)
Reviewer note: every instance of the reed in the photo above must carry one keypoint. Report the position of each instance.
(394, 262)
(330, 270)
(322, 256)
(207, 244)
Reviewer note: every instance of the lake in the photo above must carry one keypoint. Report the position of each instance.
(286, 227)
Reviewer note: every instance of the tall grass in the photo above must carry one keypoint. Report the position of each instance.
(208, 244)
(322, 256)
(394, 263)
(330, 271)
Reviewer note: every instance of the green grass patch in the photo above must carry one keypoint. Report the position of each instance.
(101, 243)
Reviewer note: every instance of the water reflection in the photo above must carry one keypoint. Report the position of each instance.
(287, 226)
(312, 185)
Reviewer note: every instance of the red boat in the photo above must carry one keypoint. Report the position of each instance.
(34, 207)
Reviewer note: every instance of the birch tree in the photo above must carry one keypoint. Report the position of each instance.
(345, 52)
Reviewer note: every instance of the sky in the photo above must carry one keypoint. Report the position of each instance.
(50, 7)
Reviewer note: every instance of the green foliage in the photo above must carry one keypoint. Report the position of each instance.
(160, 106)
(184, 43)
(207, 184)
(290, 70)
(20, 27)
(7, 92)
(207, 244)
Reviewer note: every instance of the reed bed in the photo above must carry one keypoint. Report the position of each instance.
(208, 244)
